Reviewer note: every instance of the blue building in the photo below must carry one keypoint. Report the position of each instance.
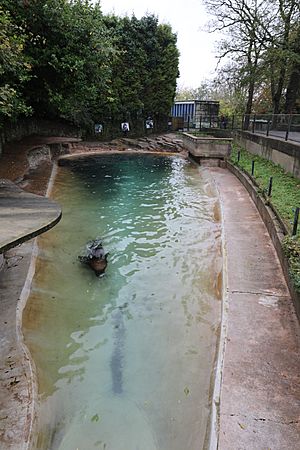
(192, 113)
(183, 109)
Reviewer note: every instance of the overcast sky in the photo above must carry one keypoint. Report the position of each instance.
(197, 59)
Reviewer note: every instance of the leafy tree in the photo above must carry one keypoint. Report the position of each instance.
(85, 66)
(203, 92)
(293, 86)
(146, 67)
(161, 68)
(70, 51)
(280, 54)
(258, 38)
(14, 68)
(245, 32)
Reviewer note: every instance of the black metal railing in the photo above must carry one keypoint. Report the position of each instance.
(282, 126)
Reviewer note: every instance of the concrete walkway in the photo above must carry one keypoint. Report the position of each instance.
(17, 382)
(23, 215)
(260, 393)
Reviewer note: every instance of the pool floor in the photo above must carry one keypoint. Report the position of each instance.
(126, 361)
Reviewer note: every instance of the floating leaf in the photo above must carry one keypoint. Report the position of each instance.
(186, 391)
(241, 425)
(95, 418)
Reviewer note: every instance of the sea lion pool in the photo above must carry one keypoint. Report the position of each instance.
(126, 361)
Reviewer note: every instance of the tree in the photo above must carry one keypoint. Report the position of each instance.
(203, 92)
(244, 25)
(84, 67)
(145, 69)
(14, 69)
(162, 69)
(293, 86)
(280, 54)
(258, 37)
(70, 50)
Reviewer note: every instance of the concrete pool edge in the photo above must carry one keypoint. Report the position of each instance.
(274, 226)
(31, 373)
(25, 216)
(32, 414)
(214, 419)
(31, 368)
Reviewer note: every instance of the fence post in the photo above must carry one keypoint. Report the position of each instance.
(252, 168)
(200, 128)
(253, 123)
(188, 124)
(210, 121)
(270, 186)
(239, 155)
(296, 220)
(268, 127)
(289, 127)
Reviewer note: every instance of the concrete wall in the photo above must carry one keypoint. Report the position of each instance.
(28, 127)
(286, 154)
(207, 147)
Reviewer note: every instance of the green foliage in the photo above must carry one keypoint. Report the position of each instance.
(14, 68)
(84, 67)
(69, 48)
(291, 246)
(145, 69)
(286, 188)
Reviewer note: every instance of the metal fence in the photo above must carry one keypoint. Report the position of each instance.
(282, 126)
(202, 122)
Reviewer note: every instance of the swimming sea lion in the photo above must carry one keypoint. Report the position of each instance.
(96, 257)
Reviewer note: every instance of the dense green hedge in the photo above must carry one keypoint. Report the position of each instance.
(65, 59)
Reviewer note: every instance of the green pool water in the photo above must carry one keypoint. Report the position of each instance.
(125, 362)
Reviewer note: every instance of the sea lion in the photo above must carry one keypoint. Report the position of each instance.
(96, 257)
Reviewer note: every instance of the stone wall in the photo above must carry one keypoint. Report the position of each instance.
(285, 154)
(31, 126)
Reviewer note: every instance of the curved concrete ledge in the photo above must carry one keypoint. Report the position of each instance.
(23, 216)
(274, 225)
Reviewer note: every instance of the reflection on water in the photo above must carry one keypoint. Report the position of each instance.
(125, 361)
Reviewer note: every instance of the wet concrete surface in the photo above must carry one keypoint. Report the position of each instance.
(16, 378)
(23, 215)
(260, 392)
